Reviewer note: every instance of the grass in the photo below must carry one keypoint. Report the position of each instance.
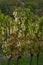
(25, 61)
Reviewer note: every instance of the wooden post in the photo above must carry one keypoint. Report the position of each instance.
(31, 58)
(37, 59)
